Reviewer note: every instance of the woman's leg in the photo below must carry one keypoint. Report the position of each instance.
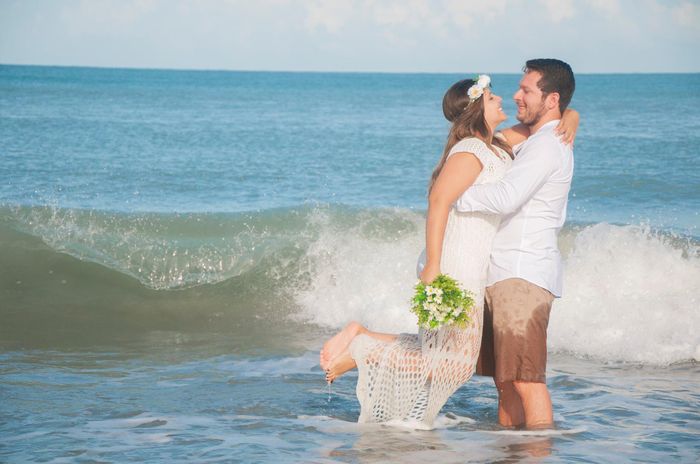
(340, 342)
(344, 361)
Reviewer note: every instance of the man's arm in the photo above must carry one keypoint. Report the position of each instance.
(529, 172)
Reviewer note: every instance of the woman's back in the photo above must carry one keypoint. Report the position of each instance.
(411, 378)
(468, 236)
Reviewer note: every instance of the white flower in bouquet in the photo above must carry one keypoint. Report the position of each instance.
(442, 302)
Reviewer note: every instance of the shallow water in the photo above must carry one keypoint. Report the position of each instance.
(173, 399)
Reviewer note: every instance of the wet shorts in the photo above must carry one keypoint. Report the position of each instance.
(514, 341)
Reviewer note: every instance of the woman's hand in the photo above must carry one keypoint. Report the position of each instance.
(429, 273)
(568, 125)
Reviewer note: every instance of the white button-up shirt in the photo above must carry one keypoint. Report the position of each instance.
(532, 197)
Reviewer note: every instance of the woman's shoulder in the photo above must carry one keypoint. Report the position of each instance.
(469, 144)
(481, 150)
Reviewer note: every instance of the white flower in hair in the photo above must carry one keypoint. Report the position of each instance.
(483, 81)
(475, 92)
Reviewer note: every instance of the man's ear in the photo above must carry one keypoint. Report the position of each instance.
(552, 101)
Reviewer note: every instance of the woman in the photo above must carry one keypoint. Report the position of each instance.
(409, 377)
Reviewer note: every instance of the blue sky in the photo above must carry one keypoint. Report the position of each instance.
(354, 35)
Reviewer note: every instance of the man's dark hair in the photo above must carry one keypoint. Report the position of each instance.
(557, 76)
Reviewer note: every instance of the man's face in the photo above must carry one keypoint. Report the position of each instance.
(530, 99)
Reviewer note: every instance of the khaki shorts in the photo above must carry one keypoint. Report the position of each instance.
(514, 341)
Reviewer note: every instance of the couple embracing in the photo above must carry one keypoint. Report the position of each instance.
(497, 201)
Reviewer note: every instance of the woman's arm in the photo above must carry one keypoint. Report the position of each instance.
(566, 129)
(516, 134)
(459, 172)
(568, 125)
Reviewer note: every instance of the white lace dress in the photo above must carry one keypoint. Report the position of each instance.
(411, 378)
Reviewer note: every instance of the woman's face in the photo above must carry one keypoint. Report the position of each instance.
(493, 113)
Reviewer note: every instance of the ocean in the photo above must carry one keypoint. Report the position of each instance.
(176, 245)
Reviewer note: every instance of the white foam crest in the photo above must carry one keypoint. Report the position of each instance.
(142, 247)
(630, 295)
(275, 367)
(538, 433)
(451, 419)
(357, 275)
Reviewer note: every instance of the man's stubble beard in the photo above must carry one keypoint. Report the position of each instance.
(530, 119)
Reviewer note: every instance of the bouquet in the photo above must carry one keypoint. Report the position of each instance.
(442, 303)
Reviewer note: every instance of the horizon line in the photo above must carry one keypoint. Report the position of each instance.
(281, 71)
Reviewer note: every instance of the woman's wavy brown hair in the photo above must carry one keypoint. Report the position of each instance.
(467, 121)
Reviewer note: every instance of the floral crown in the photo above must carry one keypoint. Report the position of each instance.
(483, 81)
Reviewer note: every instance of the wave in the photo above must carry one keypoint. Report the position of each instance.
(163, 251)
(631, 292)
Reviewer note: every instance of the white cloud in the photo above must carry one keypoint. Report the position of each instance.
(393, 13)
(687, 14)
(559, 10)
(108, 15)
(365, 35)
(463, 12)
(610, 8)
(436, 17)
(330, 16)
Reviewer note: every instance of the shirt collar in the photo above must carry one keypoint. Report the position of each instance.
(548, 126)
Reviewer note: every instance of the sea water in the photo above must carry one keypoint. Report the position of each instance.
(175, 246)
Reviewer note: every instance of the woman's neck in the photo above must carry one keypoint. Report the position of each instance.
(488, 138)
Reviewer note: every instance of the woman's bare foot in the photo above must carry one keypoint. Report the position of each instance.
(338, 344)
(339, 366)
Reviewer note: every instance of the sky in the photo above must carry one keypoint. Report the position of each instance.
(594, 36)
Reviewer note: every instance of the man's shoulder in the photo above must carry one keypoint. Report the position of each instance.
(545, 142)
(545, 137)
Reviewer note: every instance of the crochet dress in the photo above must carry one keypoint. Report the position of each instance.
(408, 380)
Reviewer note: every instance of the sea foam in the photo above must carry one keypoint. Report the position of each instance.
(630, 294)
(359, 274)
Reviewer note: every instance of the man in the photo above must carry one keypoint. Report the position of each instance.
(525, 272)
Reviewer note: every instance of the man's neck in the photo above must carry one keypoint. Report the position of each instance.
(544, 120)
